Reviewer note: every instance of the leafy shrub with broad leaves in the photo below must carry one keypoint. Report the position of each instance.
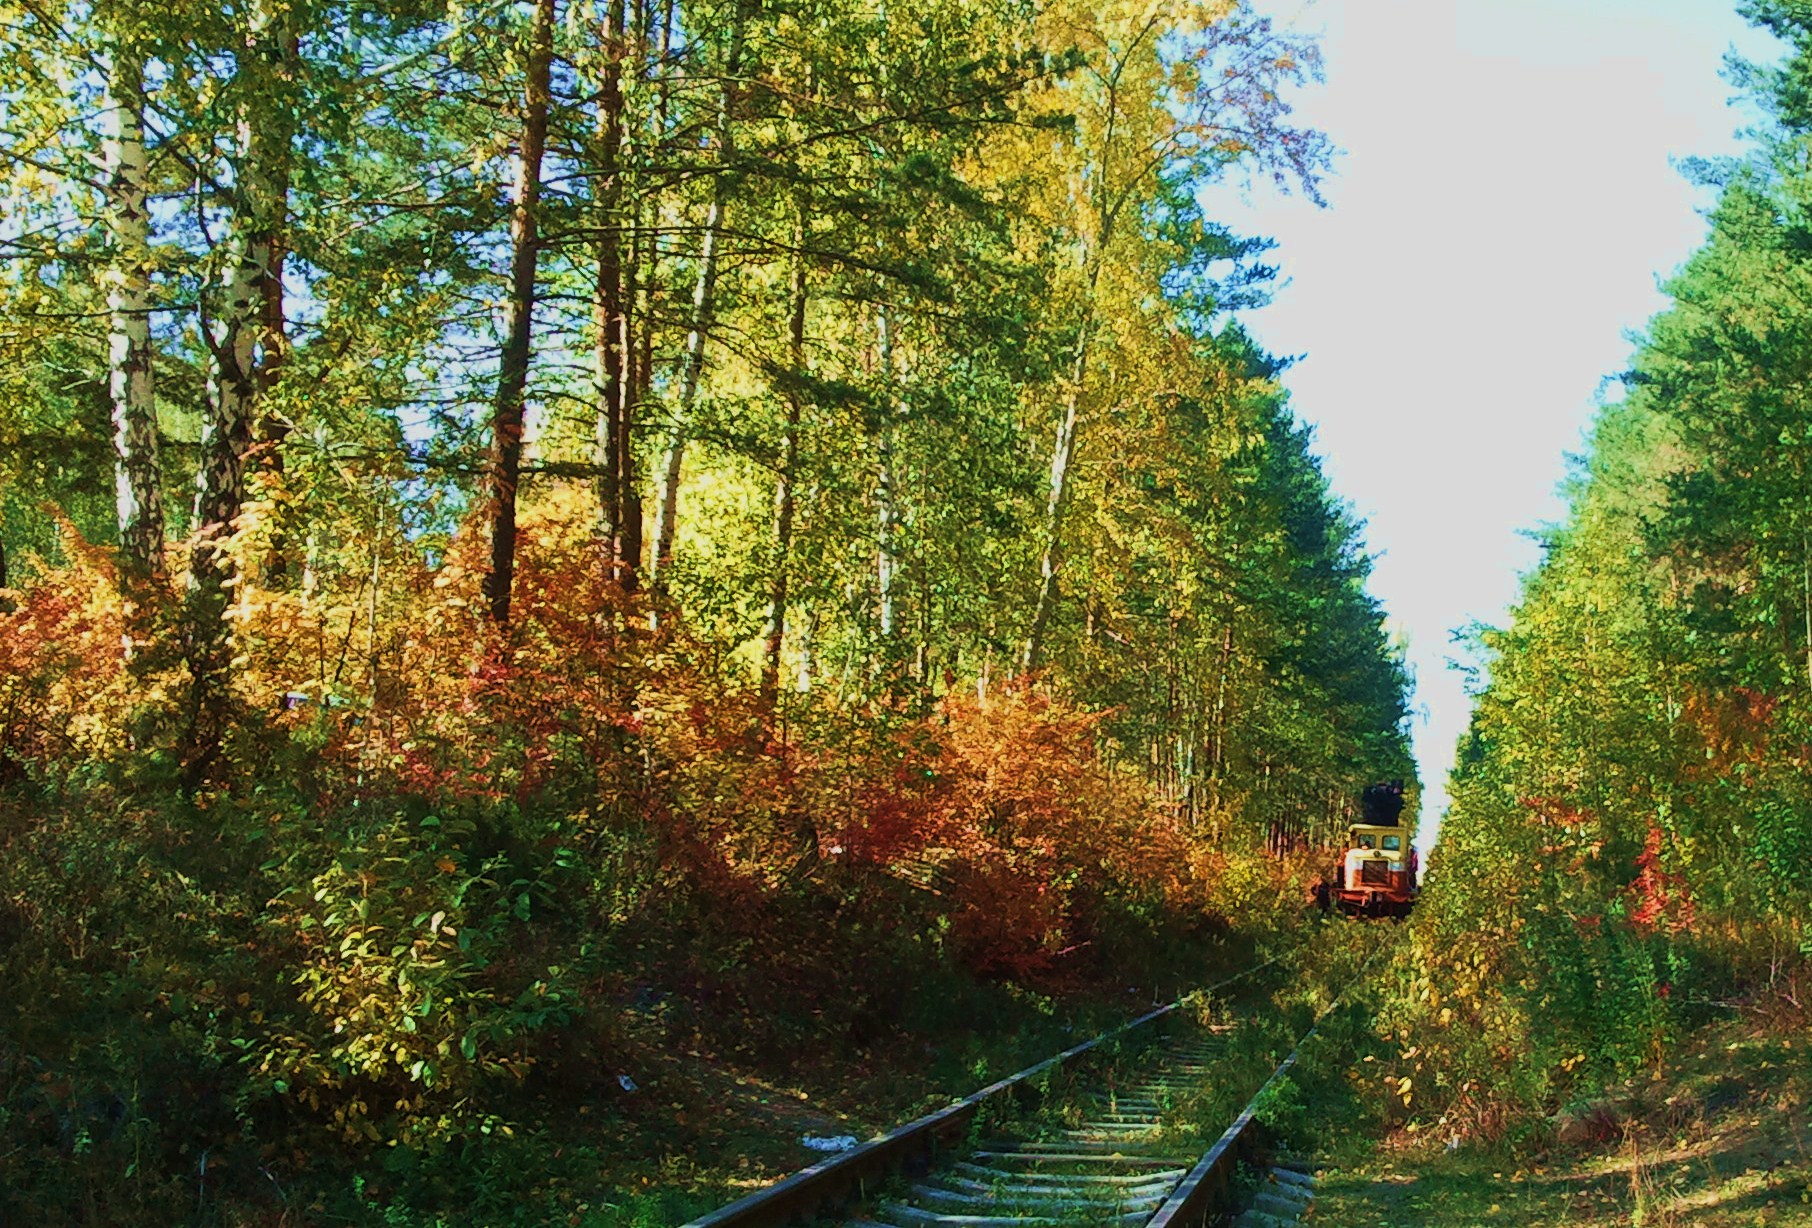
(410, 966)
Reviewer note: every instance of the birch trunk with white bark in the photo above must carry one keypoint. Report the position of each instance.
(1063, 456)
(131, 385)
(244, 355)
(887, 563)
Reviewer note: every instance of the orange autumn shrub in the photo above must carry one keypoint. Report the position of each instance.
(441, 855)
(1048, 836)
(1007, 812)
(63, 687)
(415, 689)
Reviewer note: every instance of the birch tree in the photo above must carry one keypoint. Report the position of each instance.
(1135, 124)
(786, 472)
(243, 351)
(131, 358)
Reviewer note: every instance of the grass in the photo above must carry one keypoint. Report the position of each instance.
(707, 1127)
(749, 1137)
(715, 1128)
(1718, 1138)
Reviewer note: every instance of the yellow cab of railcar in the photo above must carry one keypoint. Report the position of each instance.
(1378, 870)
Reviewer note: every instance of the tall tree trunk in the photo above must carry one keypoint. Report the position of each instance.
(1063, 455)
(610, 320)
(1217, 760)
(1107, 204)
(236, 376)
(641, 286)
(273, 324)
(769, 693)
(887, 562)
(513, 365)
(1805, 565)
(704, 304)
(639, 291)
(673, 458)
(808, 644)
(138, 481)
(647, 266)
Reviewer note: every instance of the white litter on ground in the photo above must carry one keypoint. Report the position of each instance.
(836, 1142)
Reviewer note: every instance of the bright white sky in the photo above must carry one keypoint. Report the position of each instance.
(1499, 219)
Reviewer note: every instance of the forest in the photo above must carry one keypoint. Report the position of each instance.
(537, 536)
(1629, 853)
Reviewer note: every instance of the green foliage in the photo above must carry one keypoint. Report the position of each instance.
(1628, 839)
(301, 834)
(401, 947)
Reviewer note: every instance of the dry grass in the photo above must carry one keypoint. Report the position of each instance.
(1719, 1139)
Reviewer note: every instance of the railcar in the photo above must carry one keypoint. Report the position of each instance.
(1377, 872)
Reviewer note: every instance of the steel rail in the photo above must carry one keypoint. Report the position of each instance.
(1204, 1192)
(912, 1147)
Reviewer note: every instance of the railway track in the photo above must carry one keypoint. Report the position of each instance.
(1116, 1167)
(1120, 1162)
